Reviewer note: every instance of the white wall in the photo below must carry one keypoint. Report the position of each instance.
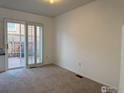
(88, 40)
(48, 28)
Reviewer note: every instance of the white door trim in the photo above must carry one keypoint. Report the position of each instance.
(26, 23)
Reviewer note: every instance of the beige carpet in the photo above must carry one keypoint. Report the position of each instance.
(48, 79)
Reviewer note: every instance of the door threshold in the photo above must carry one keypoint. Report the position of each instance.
(16, 68)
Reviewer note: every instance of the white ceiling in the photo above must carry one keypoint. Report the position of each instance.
(43, 7)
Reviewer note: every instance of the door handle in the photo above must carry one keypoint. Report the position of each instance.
(7, 46)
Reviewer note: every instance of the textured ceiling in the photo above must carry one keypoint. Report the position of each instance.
(43, 7)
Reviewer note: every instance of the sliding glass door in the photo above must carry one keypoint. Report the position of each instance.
(34, 43)
(23, 42)
(14, 44)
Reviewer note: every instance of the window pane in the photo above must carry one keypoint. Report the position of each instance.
(11, 26)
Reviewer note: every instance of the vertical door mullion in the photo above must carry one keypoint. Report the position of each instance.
(20, 50)
(35, 45)
(26, 45)
(6, 44)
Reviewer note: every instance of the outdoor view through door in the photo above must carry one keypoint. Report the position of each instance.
(16, 42)
(21, 41)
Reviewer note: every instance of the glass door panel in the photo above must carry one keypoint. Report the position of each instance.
(22, 44)
(16, 43)
(39, 44)
(31, 44)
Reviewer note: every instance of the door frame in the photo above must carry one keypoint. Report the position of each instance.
(6, 20)
(26, 23)
(121, 83)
